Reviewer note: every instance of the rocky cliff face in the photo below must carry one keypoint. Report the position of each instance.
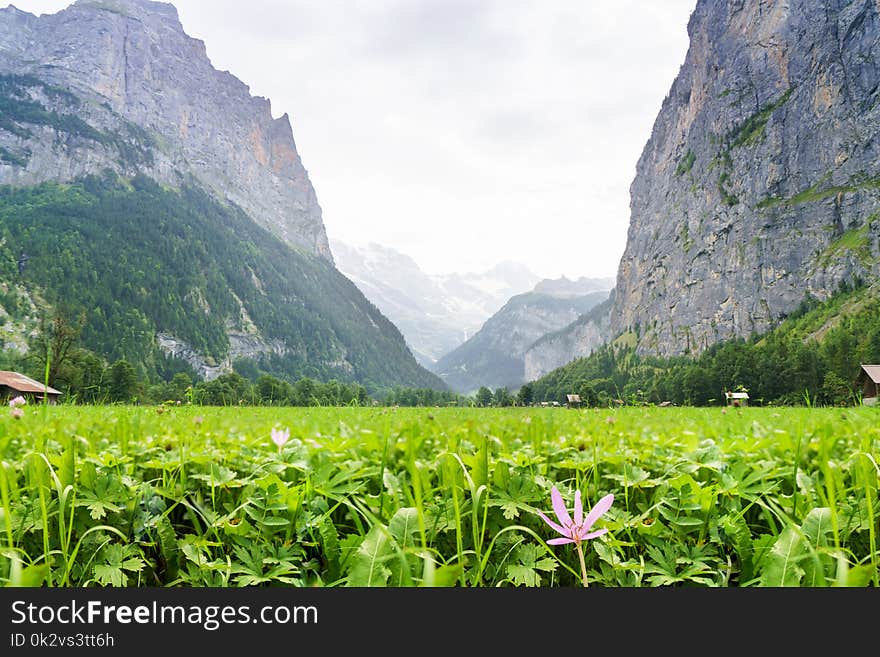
(146, 98)
(576, 340)
(761, 180)
(155, 195)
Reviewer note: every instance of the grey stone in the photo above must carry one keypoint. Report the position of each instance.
(760, 183)
(132, 64)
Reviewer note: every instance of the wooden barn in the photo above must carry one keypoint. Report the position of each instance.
(573, 401)
(869, 380)
(13, 384)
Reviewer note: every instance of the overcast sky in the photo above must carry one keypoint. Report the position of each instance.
(460, 132)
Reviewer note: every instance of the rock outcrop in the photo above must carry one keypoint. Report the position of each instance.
(155, 104)
(760, 183)
(576, 340)
(158, 197)
(761, 180)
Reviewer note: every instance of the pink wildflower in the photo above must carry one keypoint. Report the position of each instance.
(18, 401)
(576, 530)
(280, 437)
(17, 413)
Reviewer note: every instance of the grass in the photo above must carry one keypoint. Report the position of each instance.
(131, 496)
(819, 192)
(686, 164)
(751, 130)
(855, 240)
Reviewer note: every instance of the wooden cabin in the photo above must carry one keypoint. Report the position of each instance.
(573, 401)
(737, 398)
(13, 384)
(869, 380)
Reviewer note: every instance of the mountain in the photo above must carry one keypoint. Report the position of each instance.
(132, 92)
(761, 180)
(494, 356)
(564, 287)
(814, 356)
(576, 340)
(156, 195)
(760, 183)
(435, 313)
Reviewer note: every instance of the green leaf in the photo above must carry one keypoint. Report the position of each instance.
(737, 531)
(67, 471)
(523, 575)
(368, 565)
(632, 476)
(686, 521)
(816, 525)
(33, 576)
(480, 468)
(219, 476)
(529, 562)
(330, 543)
(859, 576)
(110, 575)
(403, 525)
(134, 564)
(780, 567)
(509, 510)
(168, 546)
(445, 576)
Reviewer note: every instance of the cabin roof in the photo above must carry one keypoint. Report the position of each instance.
(873, 372)
(23, 383)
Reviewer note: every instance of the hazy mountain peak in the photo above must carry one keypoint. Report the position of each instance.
(435, 313)
(565, 287)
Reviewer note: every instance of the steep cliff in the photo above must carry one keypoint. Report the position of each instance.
(576, 340)
(761, 180)
(154, 194)
(146, 98)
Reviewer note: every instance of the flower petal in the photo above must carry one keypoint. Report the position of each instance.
(594, 534)
(559, 508)
(559, 541)
(601, 507)
(578, 508)
(552, 524)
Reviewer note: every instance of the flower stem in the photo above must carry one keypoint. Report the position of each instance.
(580, 550)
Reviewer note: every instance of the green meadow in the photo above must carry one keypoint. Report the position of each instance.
(186, 496)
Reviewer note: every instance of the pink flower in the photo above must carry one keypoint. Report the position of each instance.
(578, 530)
(280, 437)
(18, 401)
(16, 413)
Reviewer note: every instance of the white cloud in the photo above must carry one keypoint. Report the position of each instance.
(460, 132)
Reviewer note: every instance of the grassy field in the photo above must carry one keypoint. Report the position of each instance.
(203, 497)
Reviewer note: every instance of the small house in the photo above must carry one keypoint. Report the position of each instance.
(13, 384)
(573, 401)
(869, 380)
(737, 398)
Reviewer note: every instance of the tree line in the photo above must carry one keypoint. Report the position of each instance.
(813, 357)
